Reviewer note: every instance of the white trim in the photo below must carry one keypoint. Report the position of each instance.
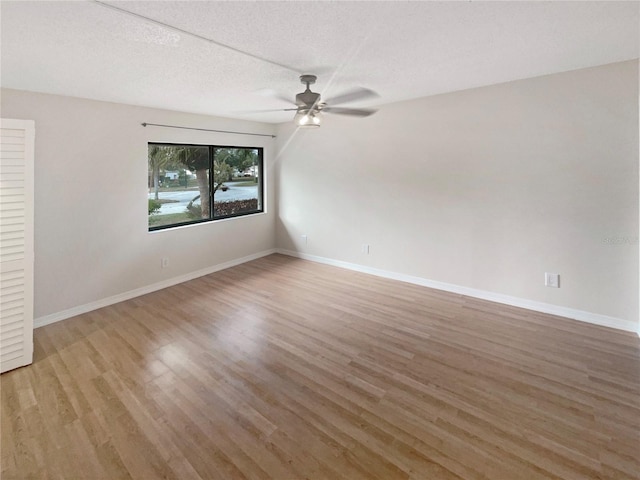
(206, 222)
(588, 317)
(121, 297)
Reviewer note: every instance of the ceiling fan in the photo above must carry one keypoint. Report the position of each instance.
(309, 106)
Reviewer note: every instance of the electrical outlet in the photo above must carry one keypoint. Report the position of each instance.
(552, 280)
(304, 239)
(365, 248)
(164, 263)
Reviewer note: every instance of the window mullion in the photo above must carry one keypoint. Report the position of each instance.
(211, 180)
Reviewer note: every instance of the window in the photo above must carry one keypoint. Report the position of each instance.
(200, 183)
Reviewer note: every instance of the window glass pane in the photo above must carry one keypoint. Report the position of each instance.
(178, 184)
(236, 181)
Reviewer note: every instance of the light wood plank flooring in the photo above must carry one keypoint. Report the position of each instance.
(286, 369)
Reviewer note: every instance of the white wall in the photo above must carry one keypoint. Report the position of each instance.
(91, 238)
(486, 189)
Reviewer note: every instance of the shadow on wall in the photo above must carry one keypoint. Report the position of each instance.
(289, 240)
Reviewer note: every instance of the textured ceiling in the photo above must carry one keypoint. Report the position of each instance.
(401, 50)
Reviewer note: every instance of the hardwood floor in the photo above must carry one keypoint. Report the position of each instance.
(287, 369)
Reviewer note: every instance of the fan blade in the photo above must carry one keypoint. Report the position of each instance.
(268, 111)
(355, 94)
(273, 94)
(356, 112)
(282, 97)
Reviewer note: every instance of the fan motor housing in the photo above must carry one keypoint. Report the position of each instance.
(307, 99)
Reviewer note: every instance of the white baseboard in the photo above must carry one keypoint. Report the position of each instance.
(574, 314)
(121, 297)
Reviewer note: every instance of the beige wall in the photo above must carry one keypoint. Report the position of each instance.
(91, 238)
(486, 189)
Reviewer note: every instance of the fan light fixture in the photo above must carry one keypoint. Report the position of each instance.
(308, 119)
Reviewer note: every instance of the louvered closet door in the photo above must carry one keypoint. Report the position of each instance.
(16, 243)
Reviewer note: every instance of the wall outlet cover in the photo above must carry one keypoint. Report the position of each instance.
(552, 280)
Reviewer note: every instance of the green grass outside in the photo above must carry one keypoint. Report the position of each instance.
(169, 219)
